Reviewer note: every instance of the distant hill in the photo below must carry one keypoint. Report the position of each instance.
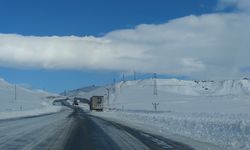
(86, 92)
(194, 88)
(26, 99)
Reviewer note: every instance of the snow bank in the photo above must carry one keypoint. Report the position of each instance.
(216, 112)
(230, 131)
(17, 101)
(29, 113)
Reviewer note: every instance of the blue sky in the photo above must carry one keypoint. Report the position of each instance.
(91, 18)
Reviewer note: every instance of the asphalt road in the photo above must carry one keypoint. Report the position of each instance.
(77, 131)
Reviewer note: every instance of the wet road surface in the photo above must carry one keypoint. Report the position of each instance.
(77, 130)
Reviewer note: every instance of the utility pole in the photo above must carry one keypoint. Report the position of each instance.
(134, 75)
(114, 85)
(155, 106)
(108, 90)
(123, 77)
(155, 91)
(155, 83)
(15, 92)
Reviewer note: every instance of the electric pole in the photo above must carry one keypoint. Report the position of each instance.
(134, 75)
(108, 95)
(15, 92)
(155, 83)
(155, 91)
(155, 106)
(123, 77)
(114, 85)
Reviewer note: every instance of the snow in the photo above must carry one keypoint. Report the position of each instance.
(27, 102)
(32, 112)
(44, 132)
(215, 112)
(87, 92)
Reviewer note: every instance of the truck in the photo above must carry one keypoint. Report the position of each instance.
(96, 103)
(75, 103)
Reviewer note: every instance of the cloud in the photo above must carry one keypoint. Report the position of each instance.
(208, 46)
(69, 52)
(242, 5)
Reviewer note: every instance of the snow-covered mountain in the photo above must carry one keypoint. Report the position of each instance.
(182, 95)
(209, 111)
(174, 94)
(170, 86)
(194, 88)
(87, 92)
(26, 99)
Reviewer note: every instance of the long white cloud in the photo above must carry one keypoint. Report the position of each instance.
(207, 46)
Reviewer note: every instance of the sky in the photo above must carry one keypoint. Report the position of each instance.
(65, 44)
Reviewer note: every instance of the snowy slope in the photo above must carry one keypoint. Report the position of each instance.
(195, 88)
(216, 112)
(183, 96)
(27, 102)
(87, 92)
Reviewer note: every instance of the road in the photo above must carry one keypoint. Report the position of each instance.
(77, 130)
